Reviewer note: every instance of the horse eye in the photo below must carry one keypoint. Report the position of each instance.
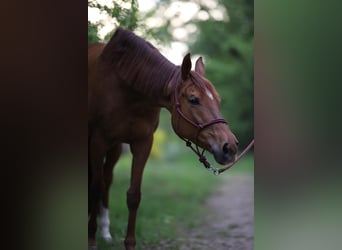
(194, 100)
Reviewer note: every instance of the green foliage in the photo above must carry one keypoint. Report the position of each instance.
(92, 33)
(121, 16)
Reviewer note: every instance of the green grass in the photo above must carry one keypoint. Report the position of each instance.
(173, 196)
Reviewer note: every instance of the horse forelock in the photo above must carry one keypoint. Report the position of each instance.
(138, 63)
(204, 85)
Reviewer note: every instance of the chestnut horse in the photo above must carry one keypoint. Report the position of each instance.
(129, 81)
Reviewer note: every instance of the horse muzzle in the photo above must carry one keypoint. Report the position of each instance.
(224, 154)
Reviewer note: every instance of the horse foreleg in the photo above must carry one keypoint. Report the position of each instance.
(140, 151)
(97, 152)
(111, 158)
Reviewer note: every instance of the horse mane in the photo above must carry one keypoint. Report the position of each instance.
(138, 63)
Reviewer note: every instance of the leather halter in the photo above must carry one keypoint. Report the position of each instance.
(200, 127)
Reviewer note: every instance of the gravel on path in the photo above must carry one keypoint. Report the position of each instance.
(229, 223)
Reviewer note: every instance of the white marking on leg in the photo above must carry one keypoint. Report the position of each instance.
(104, 223)
(209, 94)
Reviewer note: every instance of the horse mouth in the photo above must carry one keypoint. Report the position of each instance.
(222, 157)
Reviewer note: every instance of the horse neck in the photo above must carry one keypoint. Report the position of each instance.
(159, 90)
(166, 100)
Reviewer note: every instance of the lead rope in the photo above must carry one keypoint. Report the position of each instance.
(207, 165)
(220, 170)
(200, 154)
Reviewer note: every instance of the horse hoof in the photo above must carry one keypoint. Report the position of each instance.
(92, 248)
(92, 244)
(106, 236)
(108, 239)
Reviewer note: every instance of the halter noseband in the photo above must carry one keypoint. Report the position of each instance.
(200, 127)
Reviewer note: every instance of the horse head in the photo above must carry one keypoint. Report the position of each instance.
(196, 113)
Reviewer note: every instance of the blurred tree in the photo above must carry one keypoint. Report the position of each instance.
(92, 33)
(123, 13)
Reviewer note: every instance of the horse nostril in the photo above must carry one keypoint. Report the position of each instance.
(225, 148)
(228, 149)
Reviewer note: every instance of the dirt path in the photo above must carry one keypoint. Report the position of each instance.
(229, 225)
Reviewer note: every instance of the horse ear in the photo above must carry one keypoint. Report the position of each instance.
(199, 67)
(186, 66)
